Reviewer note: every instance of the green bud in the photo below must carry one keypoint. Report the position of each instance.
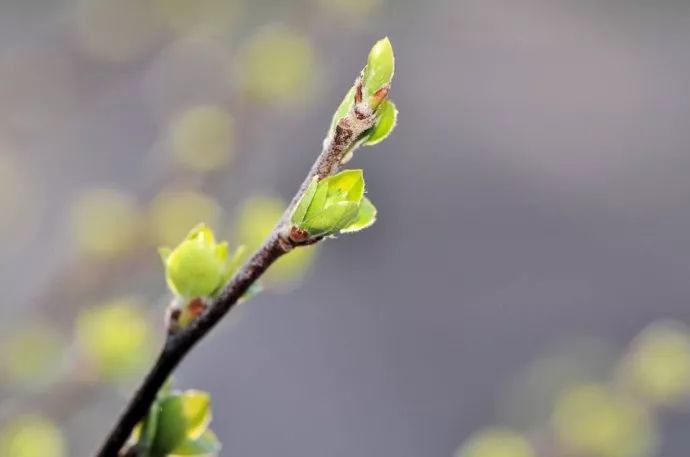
(333, 205)
(380, 66)
(198, 267)
(182, 417)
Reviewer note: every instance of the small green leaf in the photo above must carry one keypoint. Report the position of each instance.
(387, 119)
(206, 445)
(344, 107)
(305, 201)
(172, 426)
(380, 66)
(365, 217)
(182, 416)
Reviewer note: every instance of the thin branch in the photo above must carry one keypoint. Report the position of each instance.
(341, 140)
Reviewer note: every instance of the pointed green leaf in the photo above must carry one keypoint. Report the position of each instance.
(387, 119)
(206, 445)
(380, 66)
(348, 184)
(344, 107)
(305, 201)
(366, 217)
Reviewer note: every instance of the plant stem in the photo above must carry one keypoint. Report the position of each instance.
(339, 142)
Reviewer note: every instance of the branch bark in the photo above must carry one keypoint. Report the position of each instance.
(341, 140)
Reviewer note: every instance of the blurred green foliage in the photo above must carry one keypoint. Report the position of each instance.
(496, 442)
(658, 366)
(202, 138)
(33, 355)
(277, 65)
(116, 337)
(31, 435)
(211, 17)
(105, 222)
(593, 419)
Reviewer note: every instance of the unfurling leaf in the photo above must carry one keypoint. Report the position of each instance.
(387, 119)
(380, 66)
(366, 216)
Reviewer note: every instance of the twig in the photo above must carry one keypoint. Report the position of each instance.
(340, 141)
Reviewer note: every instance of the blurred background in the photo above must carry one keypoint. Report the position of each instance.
(524, 293)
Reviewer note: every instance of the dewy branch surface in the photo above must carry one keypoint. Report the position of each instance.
(342, 139)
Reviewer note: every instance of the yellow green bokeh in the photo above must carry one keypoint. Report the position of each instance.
(31, 435)
(174, 212)
(658, 365)
(277, 64)
(105, 222)
(591, 419)
(215, 17)
(32, 355)
(201, 137)
(496, 442)
(116, 337)
(255, 220)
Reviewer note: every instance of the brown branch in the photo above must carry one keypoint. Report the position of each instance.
(340, 141)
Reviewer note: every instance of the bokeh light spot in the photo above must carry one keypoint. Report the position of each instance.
(658, 365)
(116, 337)
(105, 222)
(32, 356)
(278, 64)
(496, 442)
(31, 435)
(214, 17)
(201, 137)
(590, 419)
